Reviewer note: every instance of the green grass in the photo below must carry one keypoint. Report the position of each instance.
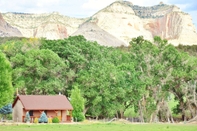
(100, 127)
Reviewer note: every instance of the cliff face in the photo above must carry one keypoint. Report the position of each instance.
(176, 27)
(7, 30)
(120, 21)
(50, 26)
(156, 11)
(125, 21)
(51, 31)
(93, 33)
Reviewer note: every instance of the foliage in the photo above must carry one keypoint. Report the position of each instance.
(55, 120)
(38, 72)
(19, 45)
(36, 120)
(130, 112)
(77, 102)
(43, 118)
(191, 49)
(6, 110)
(27, 117)
(114, 82)
(6, 89)
(49, 120)
(5, 39)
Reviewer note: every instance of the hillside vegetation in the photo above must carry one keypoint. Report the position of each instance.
(146, 81)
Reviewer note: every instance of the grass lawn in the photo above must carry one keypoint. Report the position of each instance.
(100, 127)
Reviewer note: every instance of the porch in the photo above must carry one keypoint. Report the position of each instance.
(63, 115)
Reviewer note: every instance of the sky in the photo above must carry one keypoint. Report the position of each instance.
(85, 8)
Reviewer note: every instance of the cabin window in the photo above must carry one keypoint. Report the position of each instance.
(31, 113)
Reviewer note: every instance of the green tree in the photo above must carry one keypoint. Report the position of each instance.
(76, 52)
(21, 45)
(77, 102)
(6, 89)
(39, 72)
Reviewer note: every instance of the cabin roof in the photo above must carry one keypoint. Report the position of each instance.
(44, 102)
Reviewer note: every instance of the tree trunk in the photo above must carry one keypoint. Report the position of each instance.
(154, 114)
(85, 110)
(193, 119)
(141, 113)
(121, 114)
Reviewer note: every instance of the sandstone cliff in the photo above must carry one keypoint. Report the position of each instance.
(48, 25)
(93, 33)
(120, 21)
(6, 30)
(176, 27)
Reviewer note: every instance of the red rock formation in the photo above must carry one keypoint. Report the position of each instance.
(51, 31)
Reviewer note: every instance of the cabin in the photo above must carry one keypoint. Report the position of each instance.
(53, 106)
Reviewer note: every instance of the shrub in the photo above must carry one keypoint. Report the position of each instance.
(9, 116)
(27, 117)
(43, 118)
(36, 120)
(55, 120)
(50, 120)
(6, 109)
(79, 117)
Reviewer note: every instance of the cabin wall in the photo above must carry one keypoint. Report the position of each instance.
(51, 113)
(17, 112)
(64, 114)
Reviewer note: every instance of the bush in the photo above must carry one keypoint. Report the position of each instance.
(55, 120)
(79, 117)
(50, 120)
(43, 118)
(36, 120)
(6, 109)
(27, 117)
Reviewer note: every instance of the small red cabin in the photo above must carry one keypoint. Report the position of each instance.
(53, 106)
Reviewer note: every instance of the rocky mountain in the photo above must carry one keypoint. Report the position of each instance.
(125, 21)
(114, 25)
(6, 30)
(120, 20)
(48, 25)
(93, 33)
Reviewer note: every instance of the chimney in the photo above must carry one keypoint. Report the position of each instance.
(17, 91)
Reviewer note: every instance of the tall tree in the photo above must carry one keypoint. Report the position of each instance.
(6, 89)
(39, 72)
(77, 102)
